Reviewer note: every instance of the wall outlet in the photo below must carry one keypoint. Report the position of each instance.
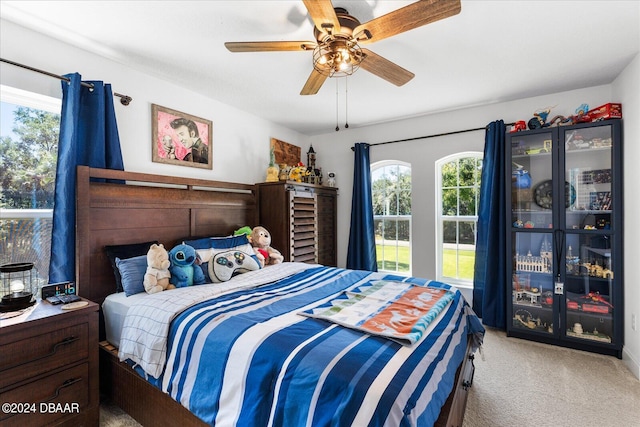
(633, 321)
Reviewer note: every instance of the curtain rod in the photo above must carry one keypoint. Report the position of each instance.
(124, 99)
(433, 136)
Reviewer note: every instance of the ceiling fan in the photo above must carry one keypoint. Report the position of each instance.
(337, 51)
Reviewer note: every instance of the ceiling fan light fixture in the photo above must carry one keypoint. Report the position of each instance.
(337, 56)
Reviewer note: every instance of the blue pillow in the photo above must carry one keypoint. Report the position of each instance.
(125, 251)
(132, 271)
(218, 242)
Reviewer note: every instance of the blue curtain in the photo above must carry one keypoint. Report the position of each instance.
(89, 137)
(490, 281)
(361, 254)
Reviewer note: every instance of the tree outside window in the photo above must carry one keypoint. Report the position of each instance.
(28, 156)
(391, 193)
(459, 189)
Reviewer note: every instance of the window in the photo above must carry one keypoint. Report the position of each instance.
(391, 188)
(30, 125)
(458, 190)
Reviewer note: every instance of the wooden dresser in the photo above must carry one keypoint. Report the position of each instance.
(301, 219)
(49, 367)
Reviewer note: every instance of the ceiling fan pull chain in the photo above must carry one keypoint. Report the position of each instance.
(337, 127)
(346, 102)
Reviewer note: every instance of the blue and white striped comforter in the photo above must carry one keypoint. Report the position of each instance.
(247, 358)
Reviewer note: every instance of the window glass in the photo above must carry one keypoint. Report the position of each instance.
(458, 178)
(29, 130)
(391, 194)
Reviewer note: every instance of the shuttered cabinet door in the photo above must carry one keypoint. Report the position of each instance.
(304, 226)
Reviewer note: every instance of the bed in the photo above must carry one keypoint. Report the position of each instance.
(263, 356)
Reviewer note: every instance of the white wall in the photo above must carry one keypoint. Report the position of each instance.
(626, 89)
(240, 140)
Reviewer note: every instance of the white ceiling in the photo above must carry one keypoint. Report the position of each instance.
(493, 51)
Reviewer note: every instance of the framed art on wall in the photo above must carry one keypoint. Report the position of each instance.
(181, 139)
(284, 152)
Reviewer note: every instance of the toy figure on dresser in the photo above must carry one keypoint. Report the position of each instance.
(298, 172)
(332, 179)
(314, 174)
(283, 175)
(272, 170)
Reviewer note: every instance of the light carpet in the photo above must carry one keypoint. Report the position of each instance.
(523, 383)
(527, 384)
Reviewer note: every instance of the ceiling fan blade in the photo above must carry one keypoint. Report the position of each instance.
(323, 15)
(274, 46)
(385, 69)
(406, 18)
(314, 83)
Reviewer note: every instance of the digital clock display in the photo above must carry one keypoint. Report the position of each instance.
(55, 289)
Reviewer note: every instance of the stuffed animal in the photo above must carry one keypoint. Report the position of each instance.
(156, 279)
(185, 269)
(261, 242)
(243, 230)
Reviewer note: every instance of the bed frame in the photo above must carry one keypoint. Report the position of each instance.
(117, 207)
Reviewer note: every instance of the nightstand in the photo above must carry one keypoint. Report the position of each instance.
(49, 367)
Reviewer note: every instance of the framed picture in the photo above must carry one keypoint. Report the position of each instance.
(181, 139)
(286, 153)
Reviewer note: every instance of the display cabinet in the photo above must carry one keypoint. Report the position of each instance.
(564, 197)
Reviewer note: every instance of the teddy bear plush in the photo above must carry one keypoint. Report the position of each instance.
(185, 269)
(157, 276)
(261, 242)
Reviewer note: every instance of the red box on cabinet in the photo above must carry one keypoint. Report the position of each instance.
(603, 112)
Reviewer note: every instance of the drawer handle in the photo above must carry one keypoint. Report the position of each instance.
(67, 383)
(53, 351)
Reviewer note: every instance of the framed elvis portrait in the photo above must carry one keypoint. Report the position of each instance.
(181, 139)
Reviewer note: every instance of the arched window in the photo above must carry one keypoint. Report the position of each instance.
(457, 193)
(391, 191)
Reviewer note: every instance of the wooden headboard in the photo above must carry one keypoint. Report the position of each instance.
(143, 207)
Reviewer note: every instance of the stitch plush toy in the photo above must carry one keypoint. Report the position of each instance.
(184, 268)
(156, 278)
(261, 242)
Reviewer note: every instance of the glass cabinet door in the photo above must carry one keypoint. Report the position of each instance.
(588, 154)
(531, 180)
(589, 287)
(589, 278)
(532, 282)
